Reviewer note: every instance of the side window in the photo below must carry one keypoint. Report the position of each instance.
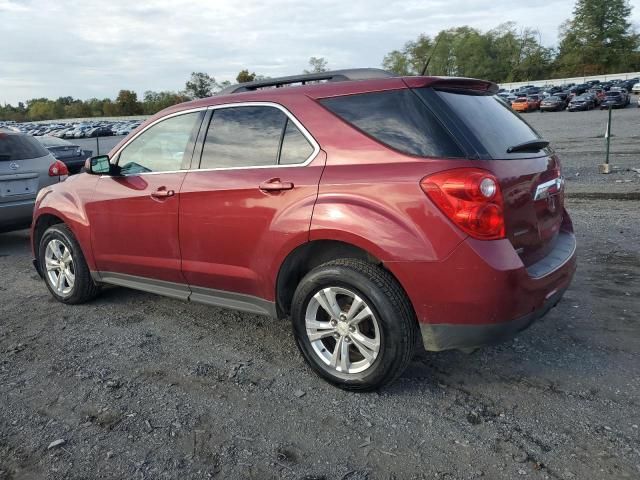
(160, 148)
(243, 137)
(396, 118)
(295, 147)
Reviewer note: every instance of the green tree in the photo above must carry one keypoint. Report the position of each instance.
(598, 39)
(127, 103)
(200, 85)
(318, 65)
(501, 54)
(153, 102)
(244, 76)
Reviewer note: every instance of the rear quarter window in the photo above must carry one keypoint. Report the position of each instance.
(20, 147)
(397, 119)
(493, 123)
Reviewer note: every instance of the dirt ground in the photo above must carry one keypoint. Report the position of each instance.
(139, 386)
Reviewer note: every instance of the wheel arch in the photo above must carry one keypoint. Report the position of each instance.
(306, 257)
(41, 224)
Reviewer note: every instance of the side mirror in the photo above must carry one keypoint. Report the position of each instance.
(98, 165)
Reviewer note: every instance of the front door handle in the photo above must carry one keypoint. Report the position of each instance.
(162, 192)
(275, 185)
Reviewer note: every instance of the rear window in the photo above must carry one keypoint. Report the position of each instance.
(398, 119)
(495, 126)
(19, 147)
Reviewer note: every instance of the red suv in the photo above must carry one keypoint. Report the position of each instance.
(373, 210)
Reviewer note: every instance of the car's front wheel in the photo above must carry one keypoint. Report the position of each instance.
(353, 324)
(65, 270)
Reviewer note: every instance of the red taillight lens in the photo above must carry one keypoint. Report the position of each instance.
(471, 198)
(58, 169)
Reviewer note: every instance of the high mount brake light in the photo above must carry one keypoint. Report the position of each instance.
(58, 169)
(470, 198)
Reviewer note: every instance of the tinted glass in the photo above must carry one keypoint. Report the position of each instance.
(243, 137)
(398, 119)
(20, 147)
(295, 147)
(492, 122)
(160, 148)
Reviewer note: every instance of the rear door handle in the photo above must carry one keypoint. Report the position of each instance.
(275, 185)
(162, 192)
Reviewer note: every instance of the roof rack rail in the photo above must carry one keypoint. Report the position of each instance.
(332, 76)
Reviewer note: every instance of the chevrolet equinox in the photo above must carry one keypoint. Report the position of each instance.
(379, 213)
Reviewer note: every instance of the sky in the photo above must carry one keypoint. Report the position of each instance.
(86, 48)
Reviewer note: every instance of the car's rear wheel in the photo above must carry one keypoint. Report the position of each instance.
(353, 324)
(65, 269)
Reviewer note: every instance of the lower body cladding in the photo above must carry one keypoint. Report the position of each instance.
(482, 294)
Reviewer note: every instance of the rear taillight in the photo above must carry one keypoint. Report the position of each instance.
(471, 198)
(58, 169)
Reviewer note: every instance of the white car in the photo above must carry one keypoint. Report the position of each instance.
(636, 88)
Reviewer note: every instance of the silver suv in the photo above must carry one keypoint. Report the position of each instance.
(25, 167)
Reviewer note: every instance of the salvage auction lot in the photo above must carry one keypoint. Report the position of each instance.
(140, 386)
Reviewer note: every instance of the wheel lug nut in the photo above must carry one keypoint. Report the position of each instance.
(343, 317)
(352, 329)
(347, 339)
(336, 336)
(333, 322)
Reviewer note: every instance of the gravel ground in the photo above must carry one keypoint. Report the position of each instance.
(138, 386)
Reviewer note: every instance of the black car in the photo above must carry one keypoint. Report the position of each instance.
(99, 132)
(71, 155)
(579, 89)
(614, 99)
(581, 102)
(552, 104)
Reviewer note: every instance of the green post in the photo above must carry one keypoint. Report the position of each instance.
(608, 135)
(98, 142)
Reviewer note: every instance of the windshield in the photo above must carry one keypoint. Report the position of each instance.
(53, 142)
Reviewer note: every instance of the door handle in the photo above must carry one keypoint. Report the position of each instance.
(275, 185)
(163, 193)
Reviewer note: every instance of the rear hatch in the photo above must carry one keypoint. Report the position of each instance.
(503, 143)
(24, 167)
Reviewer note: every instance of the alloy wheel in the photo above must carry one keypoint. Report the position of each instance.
(59, 267)
(343, 330)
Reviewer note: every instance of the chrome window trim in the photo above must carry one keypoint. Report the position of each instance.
(147, 127)
(290, 116)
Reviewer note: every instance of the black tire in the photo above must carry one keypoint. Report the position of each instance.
(84, 288)
(398, 330)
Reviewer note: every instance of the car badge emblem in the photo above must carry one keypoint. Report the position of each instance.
(14, 166)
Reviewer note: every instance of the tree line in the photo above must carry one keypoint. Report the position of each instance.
(598, 39)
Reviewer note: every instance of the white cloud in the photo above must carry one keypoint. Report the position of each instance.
(85, 49)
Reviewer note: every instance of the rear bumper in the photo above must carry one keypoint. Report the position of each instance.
(482, 293)
(16, 215)
(447, 337)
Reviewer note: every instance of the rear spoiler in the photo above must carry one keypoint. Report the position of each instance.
(471, 85)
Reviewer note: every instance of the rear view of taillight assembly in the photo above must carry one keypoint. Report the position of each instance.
(58, 169)
(470, 198)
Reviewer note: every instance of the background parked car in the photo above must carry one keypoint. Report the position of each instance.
(25, 167)
(72, 155)
(581, 102)
(614, 99)
(552, 104)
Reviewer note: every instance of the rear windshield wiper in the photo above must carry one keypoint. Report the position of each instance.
(530, 146)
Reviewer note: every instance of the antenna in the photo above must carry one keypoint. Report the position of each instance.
(424, 70)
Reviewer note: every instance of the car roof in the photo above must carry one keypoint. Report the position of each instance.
(268, 91)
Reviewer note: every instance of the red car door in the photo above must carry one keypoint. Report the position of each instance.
(134, 215)
(248, 205)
